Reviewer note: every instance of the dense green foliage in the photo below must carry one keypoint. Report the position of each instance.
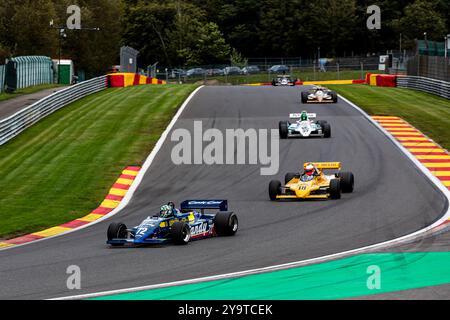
(25, 30)
(190, 32)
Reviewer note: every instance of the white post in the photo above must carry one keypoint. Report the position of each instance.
(446, 46)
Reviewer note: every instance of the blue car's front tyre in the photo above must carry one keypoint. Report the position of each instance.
(117, 231)
(180, 233)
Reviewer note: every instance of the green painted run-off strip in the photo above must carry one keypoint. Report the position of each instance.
(338, 279)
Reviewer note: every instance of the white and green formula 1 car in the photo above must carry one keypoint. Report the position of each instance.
(305, 126)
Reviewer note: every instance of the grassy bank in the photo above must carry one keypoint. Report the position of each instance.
(6, 96)
(62, 168)
(428, 113)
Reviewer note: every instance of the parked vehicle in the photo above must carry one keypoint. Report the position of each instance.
(279, 69)
(215, 72)
(196, 72)
(232, 70)
(177, 73)
(250, 70)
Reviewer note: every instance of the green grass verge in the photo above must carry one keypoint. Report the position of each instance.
(339, 279)
(62, 168)
(428, 113)
(29, 90)
(305, 76)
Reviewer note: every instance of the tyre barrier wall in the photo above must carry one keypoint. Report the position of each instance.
(120, 80)
(381, 80)
(309, 83)
(25, 118)
(433, 86)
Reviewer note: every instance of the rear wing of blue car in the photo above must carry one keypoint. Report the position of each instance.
(190, 205)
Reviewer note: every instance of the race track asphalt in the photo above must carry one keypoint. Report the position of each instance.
(392, 198)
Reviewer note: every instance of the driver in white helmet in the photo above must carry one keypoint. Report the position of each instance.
(309, 173)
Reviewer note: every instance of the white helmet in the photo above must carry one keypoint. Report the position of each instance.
(309, 169)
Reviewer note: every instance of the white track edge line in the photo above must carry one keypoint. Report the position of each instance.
(137, 181)
(402, 239)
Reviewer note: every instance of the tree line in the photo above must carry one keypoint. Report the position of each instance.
(197, 32)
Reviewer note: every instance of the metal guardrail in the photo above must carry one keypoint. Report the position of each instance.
(437, 87)
(2, 78)
(23, 119)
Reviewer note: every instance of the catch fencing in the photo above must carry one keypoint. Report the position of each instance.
(30, 70)
(433, 86)
(253, 73)
(434, 67)
(17, 123)
(33, 71)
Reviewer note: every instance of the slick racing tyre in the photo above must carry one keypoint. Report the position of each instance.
(334, 96)
(180, 233)
(226, 224)
(326, 130)
(322, 122)
(335, 189)
(305, 97)
(274, 189)
(289, 176)
(117, 231)
(283, 127)
(347, 181)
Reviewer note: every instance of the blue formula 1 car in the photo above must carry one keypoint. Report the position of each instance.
(178, 226)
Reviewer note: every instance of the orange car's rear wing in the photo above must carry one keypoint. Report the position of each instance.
(325, 165)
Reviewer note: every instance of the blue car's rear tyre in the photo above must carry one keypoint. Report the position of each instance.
(117, 231)
(180, 232)
(226, 224)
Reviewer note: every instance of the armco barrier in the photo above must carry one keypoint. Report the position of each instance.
(437, 87)
(15, 124)
(2, 78)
